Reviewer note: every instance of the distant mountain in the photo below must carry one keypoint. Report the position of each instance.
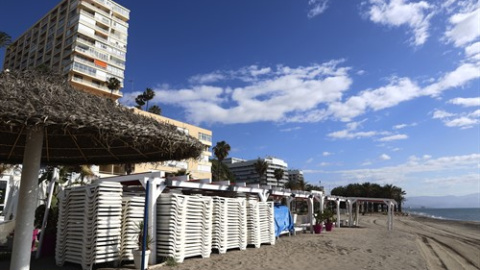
(467, 201)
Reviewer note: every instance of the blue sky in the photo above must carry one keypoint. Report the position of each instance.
(385, 91)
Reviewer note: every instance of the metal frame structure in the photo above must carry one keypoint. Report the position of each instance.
(157, 184)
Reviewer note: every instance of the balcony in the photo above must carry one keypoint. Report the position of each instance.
(92, 52)
(94, 8)
(96, 86)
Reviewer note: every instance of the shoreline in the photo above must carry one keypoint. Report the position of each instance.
(447, 221)
(427, 212)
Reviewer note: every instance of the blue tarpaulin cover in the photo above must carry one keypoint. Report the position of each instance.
(283, 219)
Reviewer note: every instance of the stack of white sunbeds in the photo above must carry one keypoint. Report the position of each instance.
(260, 223)
(229, 224)
(89, 224)
(184, 226)
(132, 217)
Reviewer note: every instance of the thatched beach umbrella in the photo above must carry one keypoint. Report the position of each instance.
(44, 120)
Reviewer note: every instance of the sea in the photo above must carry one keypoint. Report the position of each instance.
(463, 214)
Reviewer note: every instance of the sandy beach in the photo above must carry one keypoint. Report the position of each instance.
(415, 243)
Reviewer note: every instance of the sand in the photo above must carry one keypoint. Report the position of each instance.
(415, 243)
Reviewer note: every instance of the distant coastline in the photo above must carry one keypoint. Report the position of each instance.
(454, 214)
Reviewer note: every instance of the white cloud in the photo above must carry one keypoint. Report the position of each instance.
(385, 157)
(473, 51)
(326, 154)
(402, 172)
(303, 94)
(350, 132)
(454, 181)
(310, 160)
(317, 7)
(439, 114)
(282, 94)
(397, 13)
(461, 120)
(427, 156)
(397, 91)
(346, 134)
(474, 114)
(324, 164)
(463, 27)
(394, 138)
(290, 129)
(207, 78)
(459, 77)
(401, 126)
(466, 102)
(202, 93)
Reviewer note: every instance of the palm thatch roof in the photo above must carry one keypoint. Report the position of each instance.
(80, 128)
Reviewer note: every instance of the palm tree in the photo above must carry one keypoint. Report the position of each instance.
(148, 95)
(278, 173)
(399, 196)
(155, 109)
(113, 84)
(5, 39)
(140, 101)
(261, 167)
(221, 150)
(220, 170)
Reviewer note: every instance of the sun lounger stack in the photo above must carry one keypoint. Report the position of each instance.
(229, 224)
(132, 216)
(267, 223)
(90, 217)
(184, 226)
(260, 223)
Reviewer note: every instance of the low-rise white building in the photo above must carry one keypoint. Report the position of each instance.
(244, 171)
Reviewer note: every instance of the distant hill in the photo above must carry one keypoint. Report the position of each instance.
(467, 201)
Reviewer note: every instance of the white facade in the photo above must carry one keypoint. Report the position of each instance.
(244, 171)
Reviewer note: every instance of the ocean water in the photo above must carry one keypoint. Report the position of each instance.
(465, 214)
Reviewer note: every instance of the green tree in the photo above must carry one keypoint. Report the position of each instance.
(113, 84)
(278, 173)
(5, 39)
(140, 101)
(399, 196)
(261, 167)
(148, 95)
(221, 171)
(155, 109)
(221, 150)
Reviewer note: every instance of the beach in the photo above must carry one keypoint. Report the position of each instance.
(414, 243)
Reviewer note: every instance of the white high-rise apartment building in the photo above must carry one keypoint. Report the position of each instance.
(244, 171)
(84, 39)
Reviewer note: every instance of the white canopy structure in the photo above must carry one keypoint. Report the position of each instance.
(157, 182)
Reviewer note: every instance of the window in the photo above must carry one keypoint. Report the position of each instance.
(204, 137)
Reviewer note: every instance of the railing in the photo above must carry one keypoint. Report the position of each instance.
(85, 61)
(102, 19)
(90, 83)
(95, 8)
(84, 69)
(101, 29)
(93, 52)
